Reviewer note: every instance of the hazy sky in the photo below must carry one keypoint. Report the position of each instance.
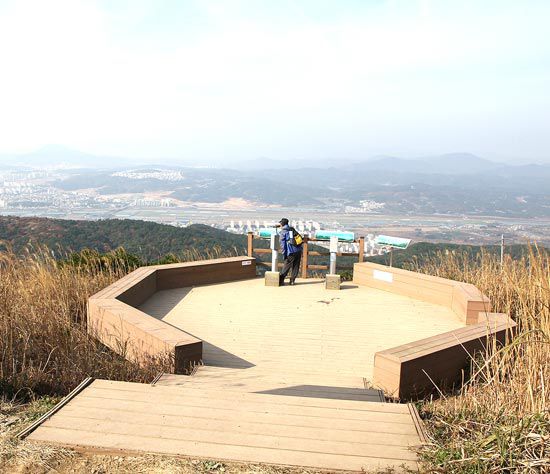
(280, 79)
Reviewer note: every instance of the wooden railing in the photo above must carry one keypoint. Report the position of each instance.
(305, 266)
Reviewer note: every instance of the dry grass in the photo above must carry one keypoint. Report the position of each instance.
(500, 421)
(151, 464)
(44, 345)
(18, 456)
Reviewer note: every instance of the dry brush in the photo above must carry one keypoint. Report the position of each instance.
(499, 421)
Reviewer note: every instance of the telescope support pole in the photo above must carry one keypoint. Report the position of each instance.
(332, 281)
(272, 277)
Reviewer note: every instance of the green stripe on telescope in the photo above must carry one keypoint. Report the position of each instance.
(395, 242)
(342, 236)
(267, 233)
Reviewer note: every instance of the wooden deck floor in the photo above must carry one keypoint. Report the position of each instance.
(285, 382)
(257, 380)
(303, 330)
(206, 421)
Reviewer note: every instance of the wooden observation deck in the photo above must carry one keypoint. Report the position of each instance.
(294, 375)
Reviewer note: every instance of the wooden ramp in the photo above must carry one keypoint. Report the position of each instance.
(252, 419)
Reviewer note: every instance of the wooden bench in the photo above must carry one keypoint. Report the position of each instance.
(464, 299)
(114, 319)
(414, 370)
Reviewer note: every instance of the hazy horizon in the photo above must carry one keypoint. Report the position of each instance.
(61, 154)
(225, 81)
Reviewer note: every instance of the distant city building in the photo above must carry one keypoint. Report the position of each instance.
(364, 207)
(153, 203)
(162, 175)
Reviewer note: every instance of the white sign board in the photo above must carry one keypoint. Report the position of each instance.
(395, 242)
(383, 276)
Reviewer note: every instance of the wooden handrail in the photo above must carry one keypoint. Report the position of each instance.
(306, 253)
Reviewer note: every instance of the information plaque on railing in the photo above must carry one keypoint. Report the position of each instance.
(395, 242)
(342, 236)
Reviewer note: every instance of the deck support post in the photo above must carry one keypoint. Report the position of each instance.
(250, 242)
(305, 257)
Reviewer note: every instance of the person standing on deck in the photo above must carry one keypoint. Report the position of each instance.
(292, 253)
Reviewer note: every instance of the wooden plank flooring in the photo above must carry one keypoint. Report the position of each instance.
(285, 380)
(258, 380)
(300, 329)
(197, 421)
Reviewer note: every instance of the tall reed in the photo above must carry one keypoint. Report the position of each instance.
(499, 422)
(44, 344)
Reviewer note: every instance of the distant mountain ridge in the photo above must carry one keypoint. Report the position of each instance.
(61, 156)
(499, 190)
(448, 163)
(451, 163)
(451, 184)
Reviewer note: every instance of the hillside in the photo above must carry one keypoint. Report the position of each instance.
(196, 185)
(151, 241)
(147, 240)
(456, 183)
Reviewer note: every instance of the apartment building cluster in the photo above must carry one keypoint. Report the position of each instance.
(366, 206)
(162, 175)
(30, 191)
(249, 225)
(153, 203)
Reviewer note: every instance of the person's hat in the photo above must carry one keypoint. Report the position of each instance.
(283, 221)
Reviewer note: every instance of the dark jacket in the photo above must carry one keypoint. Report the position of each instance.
(287, 247)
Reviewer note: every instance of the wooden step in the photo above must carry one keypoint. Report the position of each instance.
(208, 422)
(268, 380)
(132, 442)
(256, 403)
(252, 382)
(255, 427)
